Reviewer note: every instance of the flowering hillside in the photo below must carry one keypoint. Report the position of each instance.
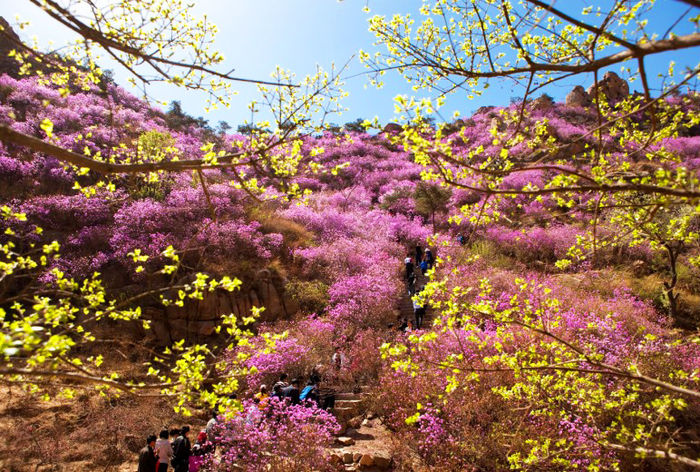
(558, 340)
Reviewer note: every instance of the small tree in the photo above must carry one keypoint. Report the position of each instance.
(431, 199)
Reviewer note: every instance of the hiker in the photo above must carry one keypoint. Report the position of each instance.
(163, 450)
(292, 392)
(262, 397)
(408, 262)
(200, 449)
(461, 239)
(409, 328)
(424, 266)
(338, 359)
(315, 376)
(282, 382)
(277, 392)
(182, 450)
(419, 255)
(429, 257)
(211, 425)
(411, 285)
(147, 456)
(419, 313)
(310, 393)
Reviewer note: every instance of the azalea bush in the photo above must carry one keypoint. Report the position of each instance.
(275, 436)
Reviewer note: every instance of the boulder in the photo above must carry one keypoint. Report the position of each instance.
(612, 87)
(382, 460)
(336, 458)
(345, 441)
(356, 456)
(347, 458)
(543, 102)
(366, 460)
(578, 97)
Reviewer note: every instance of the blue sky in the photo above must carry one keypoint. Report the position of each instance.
(256, 35)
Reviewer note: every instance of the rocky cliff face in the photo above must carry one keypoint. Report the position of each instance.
(197, 320)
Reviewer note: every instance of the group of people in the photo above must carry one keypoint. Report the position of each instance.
(173, 448)
(292, 392)
(425, 261)
(162, 452)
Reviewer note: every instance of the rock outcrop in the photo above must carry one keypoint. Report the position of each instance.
(197, 319)
(612, 87)
(578, 97)
(543, 102)
(393, 128)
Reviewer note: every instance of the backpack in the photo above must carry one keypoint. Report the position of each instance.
(306, 392)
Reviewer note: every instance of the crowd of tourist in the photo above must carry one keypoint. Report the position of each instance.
(173, 448)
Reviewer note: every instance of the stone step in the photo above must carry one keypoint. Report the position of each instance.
(347, 396)
(343, 411)
(348, 403)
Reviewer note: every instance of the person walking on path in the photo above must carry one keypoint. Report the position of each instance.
(419, 313)
(182, 450)
(147, 456)
(164, 451)
(424, 266)
(211, 424)
(419, 255)
(412, 285)
(429, 258)
(409, 266)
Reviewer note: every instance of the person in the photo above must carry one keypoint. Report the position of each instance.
(310, 392)
(282, 382)
(403, 325)
(338, 358)
(429, 257)
(182, 450)
(419, 255)
(419, 313)
(424, 266)
(315, 376)
(412, 285)
(262, 397)
(277, 392)
(408, 262)
(164, 451)
(148, 462)
(461, 239)
(201, 448)
(211, 425)
(292, 392)
(409, 328)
